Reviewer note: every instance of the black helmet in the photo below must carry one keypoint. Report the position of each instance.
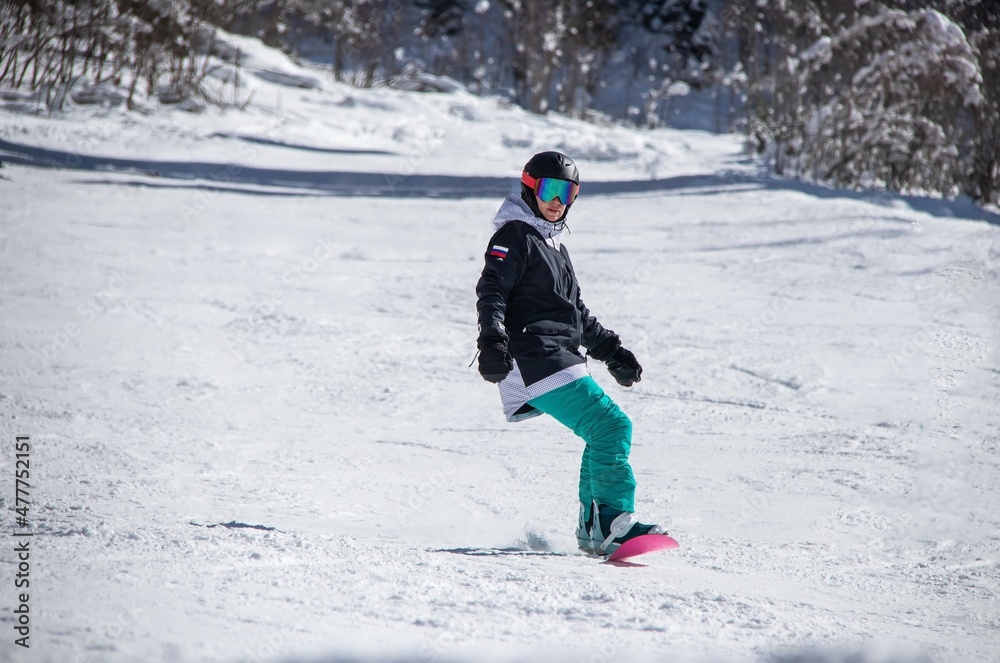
(553, 164)
(548, 164)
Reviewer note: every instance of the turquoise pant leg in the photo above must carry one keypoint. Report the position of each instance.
(605, 473)
(586, 486)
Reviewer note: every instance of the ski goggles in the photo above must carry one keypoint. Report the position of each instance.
(549, 188)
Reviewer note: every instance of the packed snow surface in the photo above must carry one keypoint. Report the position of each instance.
(239, 343)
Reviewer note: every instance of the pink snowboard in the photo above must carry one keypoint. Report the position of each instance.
(641, 545)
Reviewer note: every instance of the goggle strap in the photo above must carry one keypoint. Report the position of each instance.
(532, 183)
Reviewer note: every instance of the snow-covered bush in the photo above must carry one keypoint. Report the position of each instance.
(90, 51)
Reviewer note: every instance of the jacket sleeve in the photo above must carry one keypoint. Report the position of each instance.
(505, 261)
(601, 343)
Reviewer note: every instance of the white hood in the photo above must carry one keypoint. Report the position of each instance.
(515, 209)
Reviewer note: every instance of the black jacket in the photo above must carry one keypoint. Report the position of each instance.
(528, 295)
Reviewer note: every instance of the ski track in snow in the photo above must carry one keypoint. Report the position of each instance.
(816, 424)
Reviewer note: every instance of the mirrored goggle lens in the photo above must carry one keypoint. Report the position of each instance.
(547, 189)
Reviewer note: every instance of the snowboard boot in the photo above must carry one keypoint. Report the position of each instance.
(615, 528)
(585, 528)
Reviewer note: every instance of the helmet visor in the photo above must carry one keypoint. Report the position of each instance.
(549, 188)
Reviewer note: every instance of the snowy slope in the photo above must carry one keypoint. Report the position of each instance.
(267, 318)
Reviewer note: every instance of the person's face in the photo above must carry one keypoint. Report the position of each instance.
(552, 210)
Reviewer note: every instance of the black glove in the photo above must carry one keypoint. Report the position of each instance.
(603, 350)
(494, 360)
(624, 368)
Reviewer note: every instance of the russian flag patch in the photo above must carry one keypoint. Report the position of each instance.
(498, 251)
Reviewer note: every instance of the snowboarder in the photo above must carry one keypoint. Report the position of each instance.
(532, 323)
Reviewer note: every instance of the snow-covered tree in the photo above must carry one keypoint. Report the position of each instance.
(557, 50)
(981, 21)
(671, 45)
(857, 94)
(363, 34)
(896, 120)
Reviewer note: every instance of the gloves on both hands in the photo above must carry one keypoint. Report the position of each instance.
(495, 362)
(624, 368)
(494, 359)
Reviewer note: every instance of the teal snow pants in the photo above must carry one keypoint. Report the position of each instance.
(605, 475)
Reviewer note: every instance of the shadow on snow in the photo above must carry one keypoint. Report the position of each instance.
(236, 178)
